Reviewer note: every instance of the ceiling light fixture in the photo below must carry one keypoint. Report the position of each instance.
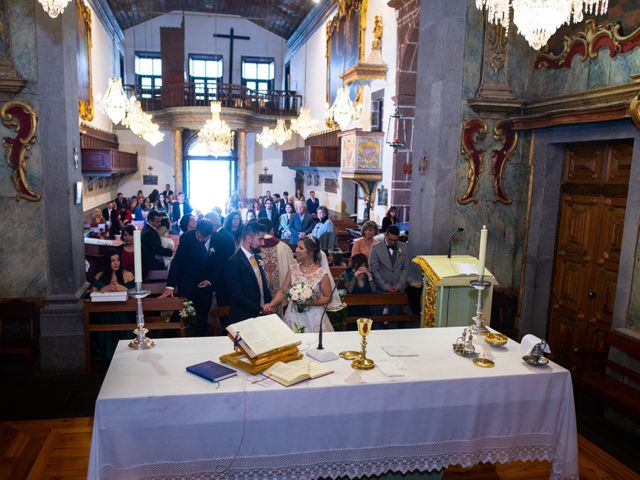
(266, 138)
(537, 20)
(114, 101)
(216, 134)
(343, 111)
(54, 7)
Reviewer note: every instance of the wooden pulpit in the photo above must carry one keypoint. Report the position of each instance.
(447, 298)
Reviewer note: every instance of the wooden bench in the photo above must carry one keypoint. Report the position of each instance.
(151, 322)
(156, 276)
(614, 392)
(215, 315)
(380, 299)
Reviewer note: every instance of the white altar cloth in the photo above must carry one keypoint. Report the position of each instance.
(155, 420)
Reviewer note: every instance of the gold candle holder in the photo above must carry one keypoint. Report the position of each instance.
(363, 363)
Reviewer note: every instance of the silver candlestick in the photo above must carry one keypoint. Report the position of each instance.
(478, 326)
(141, 342)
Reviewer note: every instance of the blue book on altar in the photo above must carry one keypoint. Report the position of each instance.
(212, 371)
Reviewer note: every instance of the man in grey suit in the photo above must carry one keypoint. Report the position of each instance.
(389, 263)
(301, 223)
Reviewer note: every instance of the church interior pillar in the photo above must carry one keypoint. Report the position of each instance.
(242, 161)
(177, 159)
(61, 325)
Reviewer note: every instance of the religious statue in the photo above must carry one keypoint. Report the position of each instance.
(377, 34)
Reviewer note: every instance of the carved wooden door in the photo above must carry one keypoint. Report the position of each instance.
(588, 248)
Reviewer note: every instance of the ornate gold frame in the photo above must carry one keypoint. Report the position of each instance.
(85, 105)
(24, 119)
(474, 131)
(345, 8)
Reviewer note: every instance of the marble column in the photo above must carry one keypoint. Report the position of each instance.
(177, 160)
(436, 137)
(61, 326)
(242, 161)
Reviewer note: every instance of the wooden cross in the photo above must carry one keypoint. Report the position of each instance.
(231, 38)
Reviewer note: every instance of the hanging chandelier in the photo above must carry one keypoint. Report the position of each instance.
(216, 134)
(343, 111)
(114, 101)
(305, 124)
(54, 7)
(281, 133)
(152, 134)
(537, 20)
(141, 123)
(266, 138)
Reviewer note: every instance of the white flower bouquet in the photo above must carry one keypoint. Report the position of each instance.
(301, 295)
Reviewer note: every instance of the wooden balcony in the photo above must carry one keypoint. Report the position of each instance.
(103, 162)
(275, 102)
(312, 156)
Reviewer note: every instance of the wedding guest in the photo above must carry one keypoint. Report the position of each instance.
(153, 196)
(389, 262)
(301, 223)
(120, 201)
(364, 243)
(165, 239)
(126, 254)
(270, 211)
(285, 220)
(233, 227)
(179, 209)
(391, 218)
(152, 245)
(312, 203)
(109, 212)
(147, 205)
(112, 278)
(324, 230)
(161, 204)
(358, 279)
(126, 216)
(168, 193)
(251, 215)
(187, 223)
(299, 195)
(136, 209)
(97, 218)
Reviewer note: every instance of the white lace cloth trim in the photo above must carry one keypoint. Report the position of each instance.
(340, 463)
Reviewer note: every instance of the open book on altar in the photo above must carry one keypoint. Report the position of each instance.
(261, 335)
(290, 373)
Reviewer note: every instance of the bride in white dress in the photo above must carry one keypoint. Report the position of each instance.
(309, 271)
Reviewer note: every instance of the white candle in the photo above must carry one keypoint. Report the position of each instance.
(483, 250)
(137, 255)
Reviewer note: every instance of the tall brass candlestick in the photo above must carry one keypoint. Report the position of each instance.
(364, 328)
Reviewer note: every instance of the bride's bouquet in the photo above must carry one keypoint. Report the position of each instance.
(301, 295)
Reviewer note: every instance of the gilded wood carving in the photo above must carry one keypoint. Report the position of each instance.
(588, 44)
(23, 118)
(85, 89)
(504, 132)
(474, 131)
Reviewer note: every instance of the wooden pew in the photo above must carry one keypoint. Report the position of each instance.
(156, 276)
(214, 316)
(380, 299)
(152, 322)
(610, 390)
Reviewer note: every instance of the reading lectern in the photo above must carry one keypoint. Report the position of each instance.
(447, 298)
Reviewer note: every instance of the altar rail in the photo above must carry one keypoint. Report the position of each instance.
(274, 102)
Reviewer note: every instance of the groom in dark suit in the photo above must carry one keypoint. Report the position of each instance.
(192, 271)
(246, 280)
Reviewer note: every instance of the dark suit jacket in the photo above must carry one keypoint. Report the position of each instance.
(223, 247)
(312, 205)
(244, 291)
(112, 217)
(297, 225)
(152, 246)
(280, 206)
(175, 210)
(167, 195)
(275, 216)
(189, 266)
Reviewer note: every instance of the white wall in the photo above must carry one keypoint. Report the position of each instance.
(199, 30)
(283, 177)
(159, 157)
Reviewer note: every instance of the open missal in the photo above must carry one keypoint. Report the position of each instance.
(297, 371)
(212, 371)
(109, 296)
(260, 335)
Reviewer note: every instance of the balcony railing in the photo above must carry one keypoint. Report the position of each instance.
(275, 102)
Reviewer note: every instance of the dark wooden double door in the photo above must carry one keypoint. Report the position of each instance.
(592, 207)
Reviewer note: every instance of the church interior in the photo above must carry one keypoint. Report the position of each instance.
(433, 107)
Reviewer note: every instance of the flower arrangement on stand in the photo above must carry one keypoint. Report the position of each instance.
(301, 295)
(189, 317)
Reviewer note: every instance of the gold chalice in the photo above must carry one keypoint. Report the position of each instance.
(364, 328)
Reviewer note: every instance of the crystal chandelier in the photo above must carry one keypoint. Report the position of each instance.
(141, 123)
(281, 133)
(114, 101)
(152, 134)
(305, 124)
(54, 7)
(537, 20)
(343, 112)
(216, 134)
(266, 138)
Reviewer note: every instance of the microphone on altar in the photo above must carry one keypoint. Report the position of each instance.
(319, 353)
(459, 229)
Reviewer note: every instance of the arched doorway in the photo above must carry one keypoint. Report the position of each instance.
(209, 180)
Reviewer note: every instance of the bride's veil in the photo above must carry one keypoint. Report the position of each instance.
(335, 304)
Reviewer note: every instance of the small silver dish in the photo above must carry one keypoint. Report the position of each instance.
(535, 361)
